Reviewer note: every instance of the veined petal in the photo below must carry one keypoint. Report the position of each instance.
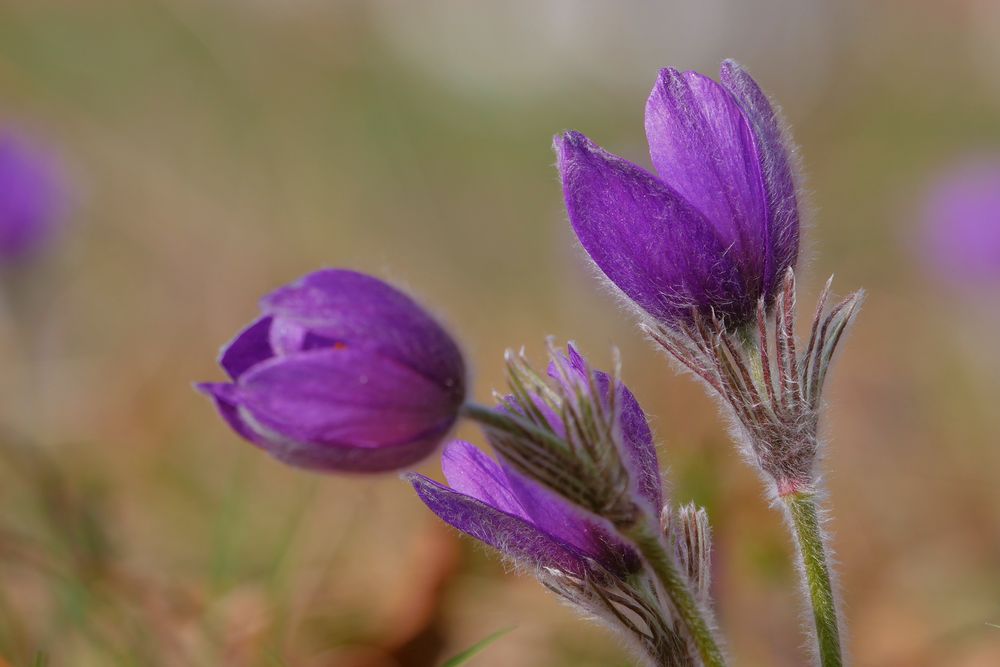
(363, 312)
(572, 525)
(512, 535)
(345, 396)
(648, 240)
(703, 147)
(470, 471)
(328, 456)
(774, 149)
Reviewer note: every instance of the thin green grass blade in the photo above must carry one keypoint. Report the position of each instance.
(473, 650)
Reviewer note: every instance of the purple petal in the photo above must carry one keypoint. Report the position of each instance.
(249, 348)
(640, 450)
(326, 456)
(287, 337)
(649, 241)
(776, 166)
(473, 473)
(703, 147)
(509, 534)
(224, 396)
(470, 471)
(334, 457)
(346, 397)
(363, 312)
(571, 525)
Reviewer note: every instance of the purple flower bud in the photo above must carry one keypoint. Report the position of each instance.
(635, 439)
(342, 372)
(717, 226)
(523, 520)
(961, 224)
(588, 438)
(32, 197)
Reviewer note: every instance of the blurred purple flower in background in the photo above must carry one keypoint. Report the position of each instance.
(960, 240)
(342, 372)
(32, 196)
(717, 227)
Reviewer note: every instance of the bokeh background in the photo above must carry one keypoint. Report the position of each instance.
(216, 149)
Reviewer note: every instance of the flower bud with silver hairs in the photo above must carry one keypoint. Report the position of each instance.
(575, 449)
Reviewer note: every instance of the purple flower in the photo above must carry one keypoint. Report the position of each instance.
(32, 197)
(523, 520)
(528, 517)
(718, 224)
(961, 223)
(342, 372)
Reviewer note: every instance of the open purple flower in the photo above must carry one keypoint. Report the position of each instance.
(32, 197)
(717, 226)
(342, 372)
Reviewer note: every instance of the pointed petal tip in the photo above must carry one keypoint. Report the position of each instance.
(218, 390)
(570, 142)
(414, 479)
(730, 66)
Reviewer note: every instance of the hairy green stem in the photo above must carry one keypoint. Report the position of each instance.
(811, 548)
(675, 585)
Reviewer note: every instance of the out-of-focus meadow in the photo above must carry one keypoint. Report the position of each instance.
(215, 150)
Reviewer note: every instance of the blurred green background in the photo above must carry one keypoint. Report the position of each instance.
(220, 148)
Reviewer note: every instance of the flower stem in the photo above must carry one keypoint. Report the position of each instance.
(676, 587)
(811, 548)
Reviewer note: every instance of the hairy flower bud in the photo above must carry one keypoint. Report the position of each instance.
(688, 531)
(575, 483)
(716, 227)
(344, 373)
(587, 437)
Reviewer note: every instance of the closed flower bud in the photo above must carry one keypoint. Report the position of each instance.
(608, 463)
(716, 227)
(342, 372)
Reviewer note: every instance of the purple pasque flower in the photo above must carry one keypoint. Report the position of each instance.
(32, 196)
(716, 227)
(557, 500)
(342, 372)
(574, 490)
(960, 240)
